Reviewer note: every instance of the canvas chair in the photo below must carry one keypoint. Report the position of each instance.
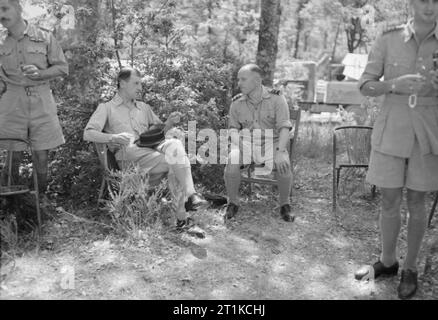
(351, 149)
(11, 189)
(248, 175)
(109, 165)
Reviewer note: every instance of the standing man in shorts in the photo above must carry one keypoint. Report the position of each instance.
(29, 57)
(405, 135)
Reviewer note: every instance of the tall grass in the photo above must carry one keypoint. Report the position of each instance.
(134, 205)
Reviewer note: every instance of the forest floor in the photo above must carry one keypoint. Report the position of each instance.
(256, 256)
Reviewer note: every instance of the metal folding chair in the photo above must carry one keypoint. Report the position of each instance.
(354, 152)
(295, 116)
(14, 189)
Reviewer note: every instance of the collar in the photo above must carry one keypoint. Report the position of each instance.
(118, 101)
(409, 31)
(265, 94)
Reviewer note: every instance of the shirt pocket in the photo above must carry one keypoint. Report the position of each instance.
(37, 54)
(267, 115)
(397, 67)
(7, 58)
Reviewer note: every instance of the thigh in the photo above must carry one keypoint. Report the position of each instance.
(45, 132)
(422, 172)
(386, 171)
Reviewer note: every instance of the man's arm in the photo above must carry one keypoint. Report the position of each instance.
(58, 65)
(283, 123)
(96, 124)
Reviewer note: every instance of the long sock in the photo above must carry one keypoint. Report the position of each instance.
(417, 226)
(42, 182)
(232, 183)
(389, 228)
(284, 186)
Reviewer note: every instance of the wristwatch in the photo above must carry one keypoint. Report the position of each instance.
(111, 138)
(392, 89)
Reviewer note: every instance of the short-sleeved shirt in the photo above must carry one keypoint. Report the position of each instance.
(115, 117)
(271, 113)
(37, 47)
(395, 53)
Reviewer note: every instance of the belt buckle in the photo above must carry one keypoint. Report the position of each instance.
(412, 101)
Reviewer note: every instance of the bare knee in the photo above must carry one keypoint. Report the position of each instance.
(391, 199)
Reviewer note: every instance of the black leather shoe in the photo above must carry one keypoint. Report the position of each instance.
(408, 284)
(189, 226)
(231, 211)
(286, 213)
(379, 270)
(195, 202)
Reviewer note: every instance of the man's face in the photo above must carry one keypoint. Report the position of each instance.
(425, 10)
(131, 87)
(9, 14)
(248, 81)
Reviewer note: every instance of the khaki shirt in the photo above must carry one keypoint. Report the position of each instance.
(37, 47)
(396, 53)
(271, 113)
(115, 117)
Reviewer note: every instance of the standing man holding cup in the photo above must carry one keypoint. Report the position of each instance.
(29, 57)
(405, 135)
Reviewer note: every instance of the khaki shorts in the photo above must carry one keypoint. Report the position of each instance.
(418, 173)
(30, 114)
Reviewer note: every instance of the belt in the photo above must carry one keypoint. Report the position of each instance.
(412, 100)
(30, 90)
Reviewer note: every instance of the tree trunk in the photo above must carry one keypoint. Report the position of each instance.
(300, 25)
(268, 38)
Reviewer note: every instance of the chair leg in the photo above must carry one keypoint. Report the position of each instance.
(373, 191)
(432, 211)
(37, 200)
(334, 189)
(101, 191)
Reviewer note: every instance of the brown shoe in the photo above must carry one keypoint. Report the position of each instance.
(408, 284)
(379, 270)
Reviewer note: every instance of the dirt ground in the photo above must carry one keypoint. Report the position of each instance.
(257, 256)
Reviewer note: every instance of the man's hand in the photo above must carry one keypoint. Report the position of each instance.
(174, 118)
(32, 72)
(124, 138)
(409, 83)
(282, 162)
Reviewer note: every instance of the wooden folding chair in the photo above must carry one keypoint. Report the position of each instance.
(353, 152)
(295, 116)
(11, 189)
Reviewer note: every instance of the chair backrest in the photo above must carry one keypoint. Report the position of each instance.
(352, 145)
(107, 158)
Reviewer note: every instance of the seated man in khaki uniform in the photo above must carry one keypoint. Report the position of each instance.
(260, 113)
(122, 120)
(29, 57)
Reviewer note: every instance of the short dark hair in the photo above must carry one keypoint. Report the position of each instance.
(253, 68)
(125, 75)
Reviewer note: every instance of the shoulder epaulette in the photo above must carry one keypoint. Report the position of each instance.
(275, 91)
(389, 27)
(236, 97)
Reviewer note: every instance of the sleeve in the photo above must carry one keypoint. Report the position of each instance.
(152, 118)
(282, 114)
(56, 57)
(96, 124)
(233, 118)
(375, 66)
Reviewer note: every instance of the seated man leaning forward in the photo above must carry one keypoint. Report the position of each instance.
(263, 115)
(122, 120)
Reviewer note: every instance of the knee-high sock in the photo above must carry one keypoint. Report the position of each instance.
(232, 183)
(389, 227)
(42, 182)
(417, 226)
(178, 196)
(284, 186)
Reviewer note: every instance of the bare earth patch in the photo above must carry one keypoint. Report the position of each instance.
(257, 256)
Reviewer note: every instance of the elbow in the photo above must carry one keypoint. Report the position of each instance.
(86, 135)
